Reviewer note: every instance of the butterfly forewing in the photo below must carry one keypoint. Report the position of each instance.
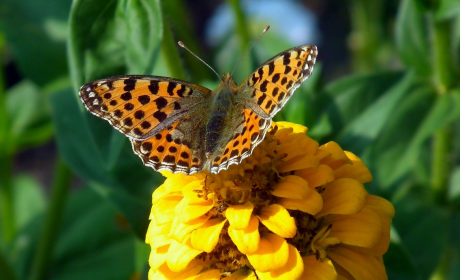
(142, 106)
(268, 89)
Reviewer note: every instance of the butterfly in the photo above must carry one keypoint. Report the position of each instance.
(183, 127)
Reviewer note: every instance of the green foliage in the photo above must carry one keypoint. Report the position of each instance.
(400, 113)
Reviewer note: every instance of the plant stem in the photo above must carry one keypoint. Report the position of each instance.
(443, 77)
(365, 38)
(6, 158)
(6, 197)
(441, 164)
(442, 60)
(60, 188)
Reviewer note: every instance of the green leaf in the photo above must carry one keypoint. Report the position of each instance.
(366, 127)
(398, 263)
(412, 40)
(418, 222)
(345, 100)
(122, 36)
(102, 156)
(145, 31)
(398, 132)
(30, 122)
(111, 262)
(29, 199)
(447, 9)
(445, 110)
(36, 32)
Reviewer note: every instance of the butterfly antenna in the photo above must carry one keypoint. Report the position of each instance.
(260, 36)
(183, 46)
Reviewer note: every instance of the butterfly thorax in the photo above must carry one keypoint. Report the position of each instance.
(221, 113)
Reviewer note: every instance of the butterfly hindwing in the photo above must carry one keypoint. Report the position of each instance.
(268, 89)
(248, 133)
(142, 106)
(175, 148)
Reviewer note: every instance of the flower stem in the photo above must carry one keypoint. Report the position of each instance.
(6, 188)
(61, 184)
(6, 198)
(443, 68)
(443, 77)
(365, 38)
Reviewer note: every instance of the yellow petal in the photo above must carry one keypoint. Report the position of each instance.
(337, 156)
(292, 187)
(296, 128)
(180, 230)
(318, 270)
(298, 162)
(191, 191)
(356, 170)
(158, 236)
(176, 182)
(317, 176)
(188, 212)
(361, 267)
(158, 257)
(238, 215)
(247, 240)
(180, 255)
(273, 253)
(343, 196)
(163, 211)
(206, 237)
(362, 229)
(277, 219)
(311, 205)
(188, 273)
(242, 274)
(292, 270)
(380, 204)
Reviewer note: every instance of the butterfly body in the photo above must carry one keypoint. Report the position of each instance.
(183, 127)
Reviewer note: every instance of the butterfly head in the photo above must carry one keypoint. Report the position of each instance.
(228, 82)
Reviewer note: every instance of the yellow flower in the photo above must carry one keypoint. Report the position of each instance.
(292, 210)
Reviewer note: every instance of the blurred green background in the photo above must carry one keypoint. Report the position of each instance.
(75, 200)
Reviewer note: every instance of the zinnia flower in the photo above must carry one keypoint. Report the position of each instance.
(292, 210)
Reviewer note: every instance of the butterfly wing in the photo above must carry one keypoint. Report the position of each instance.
(268, 89)
(160, 115)
(249, 130)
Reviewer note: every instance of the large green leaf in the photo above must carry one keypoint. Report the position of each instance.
(368, 125)
(346, 99)
(398, 132)
(103, 157)
(419, 222)
(112, 38)
(444, 111)
(412, 37)
(93, 242)
(36, 32)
